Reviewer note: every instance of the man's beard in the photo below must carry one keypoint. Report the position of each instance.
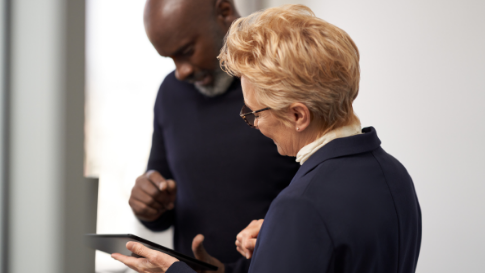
(221, 82)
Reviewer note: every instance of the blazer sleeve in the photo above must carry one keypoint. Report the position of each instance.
(240, 266)
(293, 239)
(180, 267)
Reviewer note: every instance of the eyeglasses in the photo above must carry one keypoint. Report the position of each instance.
(248, 115)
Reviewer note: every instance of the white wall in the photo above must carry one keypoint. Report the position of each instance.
(423, 70)
(123, 75)
(423, 89)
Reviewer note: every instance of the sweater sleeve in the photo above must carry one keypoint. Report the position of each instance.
(293, 238)
(158, 154)
(158, 162)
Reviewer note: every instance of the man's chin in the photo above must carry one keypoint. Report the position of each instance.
(214, 85)
(206, 82)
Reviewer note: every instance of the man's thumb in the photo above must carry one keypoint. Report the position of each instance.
(198, 248)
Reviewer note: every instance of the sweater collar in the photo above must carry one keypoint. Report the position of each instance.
(361, 143)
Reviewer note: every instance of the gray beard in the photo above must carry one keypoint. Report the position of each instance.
(222, 81)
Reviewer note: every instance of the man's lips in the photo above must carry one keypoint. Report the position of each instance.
(207, 80)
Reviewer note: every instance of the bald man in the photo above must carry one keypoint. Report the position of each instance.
(208, 172)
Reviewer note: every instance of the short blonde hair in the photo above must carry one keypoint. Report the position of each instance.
(290, 56)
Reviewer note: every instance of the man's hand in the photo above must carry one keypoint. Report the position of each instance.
(153, 261)
(152, 195)
(246, 239)
(201, 254)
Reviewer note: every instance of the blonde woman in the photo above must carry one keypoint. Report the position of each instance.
(351, 207)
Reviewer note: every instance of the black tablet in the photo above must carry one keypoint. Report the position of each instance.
(116, 243)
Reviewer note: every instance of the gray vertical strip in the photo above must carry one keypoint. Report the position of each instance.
(74, 216)
(47, 203)
(5, 62)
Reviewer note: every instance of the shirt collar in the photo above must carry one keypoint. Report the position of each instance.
(309, 149)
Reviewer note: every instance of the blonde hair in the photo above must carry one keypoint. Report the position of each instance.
(290, 56)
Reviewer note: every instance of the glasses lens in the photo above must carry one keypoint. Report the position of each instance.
(245, 110)
(249, 118)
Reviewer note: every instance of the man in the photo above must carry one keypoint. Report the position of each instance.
(207, 172)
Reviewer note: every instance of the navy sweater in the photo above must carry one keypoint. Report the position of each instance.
(227, 174)
(351, 207)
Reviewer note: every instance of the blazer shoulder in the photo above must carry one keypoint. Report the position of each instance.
(336, 175)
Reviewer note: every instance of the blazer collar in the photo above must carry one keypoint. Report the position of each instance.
(365, 142)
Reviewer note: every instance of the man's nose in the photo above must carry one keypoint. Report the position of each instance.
(183, 70)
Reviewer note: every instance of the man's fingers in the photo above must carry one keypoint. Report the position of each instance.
(157, 179)
(144, 211)
(171, 186)
(149, 200)
(141, 208)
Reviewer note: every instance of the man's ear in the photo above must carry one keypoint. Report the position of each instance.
(225, 12)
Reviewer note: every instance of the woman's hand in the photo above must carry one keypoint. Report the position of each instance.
(246, 239)
(154, 261)
(201, 254)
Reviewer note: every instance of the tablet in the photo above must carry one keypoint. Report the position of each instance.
(116, 243)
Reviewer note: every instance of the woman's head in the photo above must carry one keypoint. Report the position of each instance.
(303, 68)
(289, 55)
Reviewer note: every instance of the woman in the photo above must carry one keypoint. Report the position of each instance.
(351, 207)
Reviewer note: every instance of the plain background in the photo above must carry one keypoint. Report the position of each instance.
(422, 88)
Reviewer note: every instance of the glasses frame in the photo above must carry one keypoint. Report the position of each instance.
(243, 115)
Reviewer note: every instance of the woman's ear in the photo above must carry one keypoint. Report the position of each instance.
(226, 13)
(300, 116)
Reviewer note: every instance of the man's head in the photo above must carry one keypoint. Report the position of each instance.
(191, 32)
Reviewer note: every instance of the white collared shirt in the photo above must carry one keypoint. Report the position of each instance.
(310, 149)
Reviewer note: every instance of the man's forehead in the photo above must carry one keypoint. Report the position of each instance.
(174, 22)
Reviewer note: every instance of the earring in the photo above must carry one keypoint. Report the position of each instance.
(298, 129)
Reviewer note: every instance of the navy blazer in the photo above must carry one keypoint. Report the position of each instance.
(351, 207)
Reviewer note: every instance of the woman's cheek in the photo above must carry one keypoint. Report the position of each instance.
(265, 132)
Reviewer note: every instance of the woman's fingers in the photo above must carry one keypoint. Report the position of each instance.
(246, 239)
(241, 251)
(131, 262)
(124, 259)
(246, 247)
(251, 231)
(250, 244)
(152, 261)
